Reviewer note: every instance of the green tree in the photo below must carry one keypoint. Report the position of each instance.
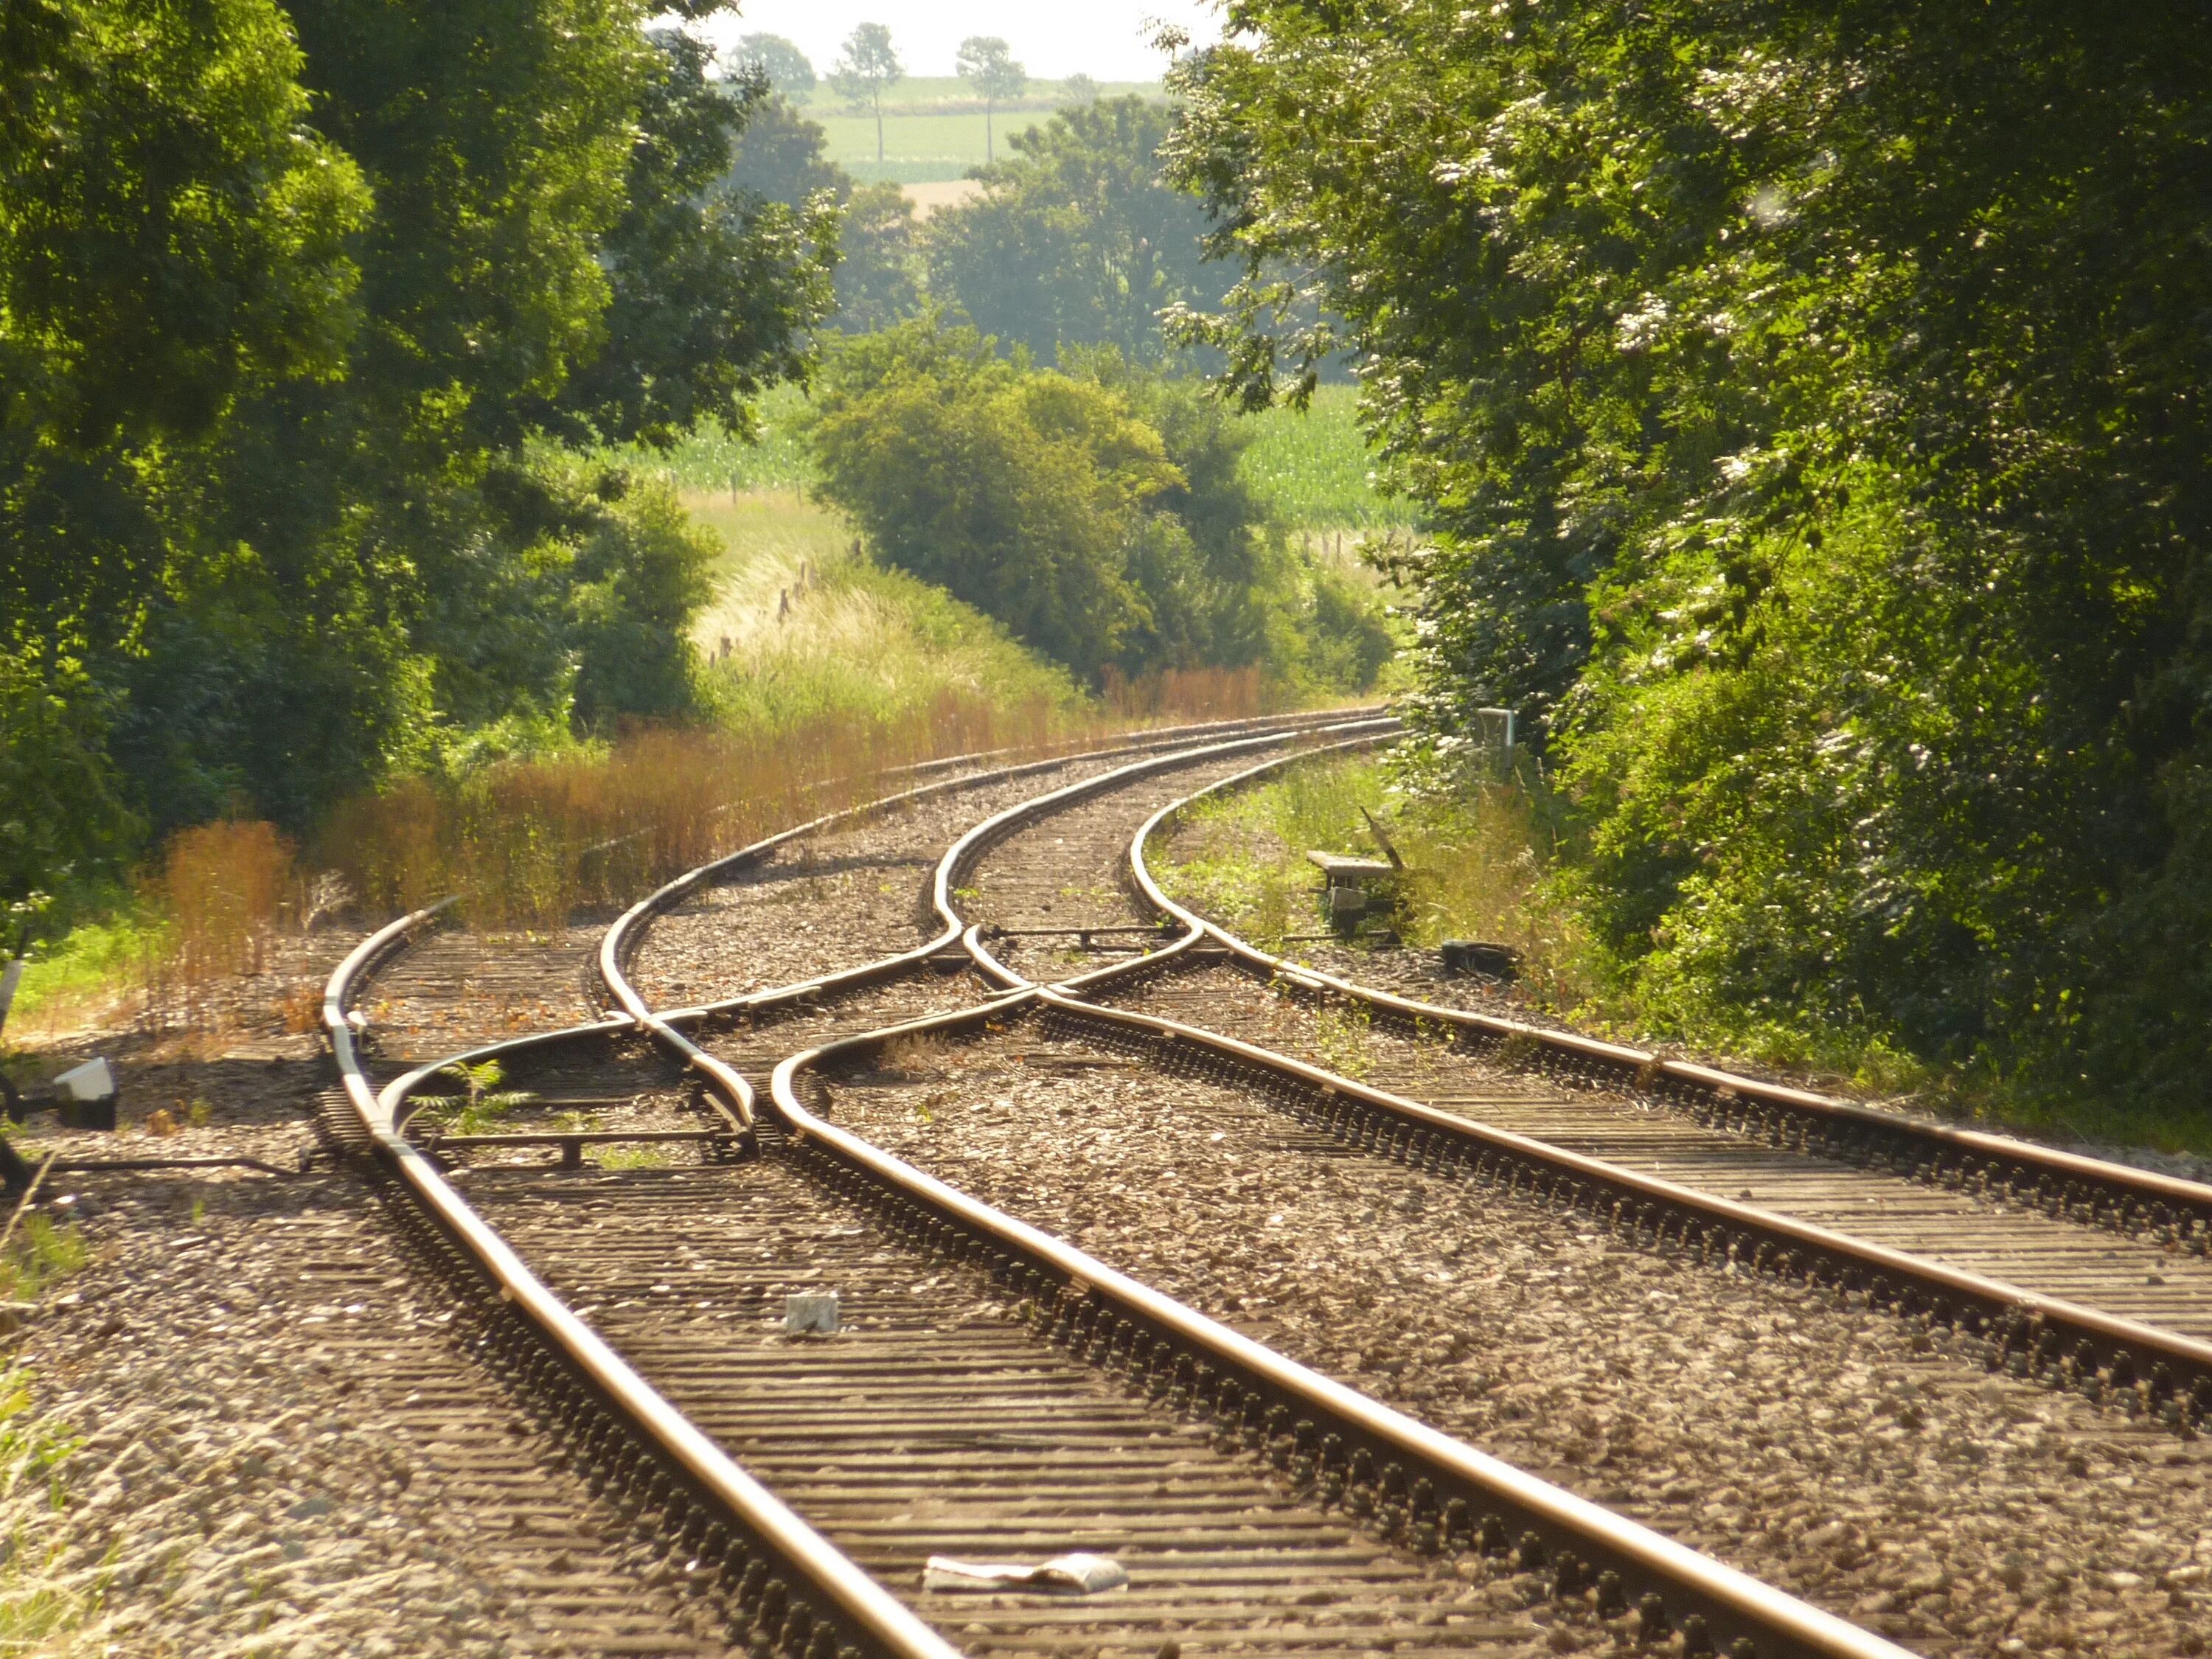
(170, 233)
(1078, 89)
(779, 155)
(987, 62)
(357, 279)
(1016, 491)
(1098, 512)
(777, 61)
(876, 285)
(705, 284)
(776, 154)
(1075, 240)
(172, 239)
(866, 69)
(1808, 403)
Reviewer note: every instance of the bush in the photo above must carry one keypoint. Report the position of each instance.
(1100, 511)
(1022, 493)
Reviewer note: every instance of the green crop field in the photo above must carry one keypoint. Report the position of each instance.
(1313, 466)
(917, 148)
(933, 127)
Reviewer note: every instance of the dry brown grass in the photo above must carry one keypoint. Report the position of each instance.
(530, 843)
(534, 843)
(1194, 693)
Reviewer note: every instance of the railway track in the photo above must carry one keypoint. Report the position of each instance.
(1261, 1506)
(1063, 893)
(1283, 1512)
(2114, 1289)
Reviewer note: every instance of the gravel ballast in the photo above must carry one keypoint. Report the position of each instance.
(283, 1451)
(1833, 1452)
(825, 901)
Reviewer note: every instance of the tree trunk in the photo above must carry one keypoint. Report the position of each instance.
(879, 129)
(989, 153)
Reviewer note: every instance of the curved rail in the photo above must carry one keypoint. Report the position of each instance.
(1466, 1490)
(1288, 1410)
(690, 1467)
(620, 939)
(2060, 1342)
(1934, 1150)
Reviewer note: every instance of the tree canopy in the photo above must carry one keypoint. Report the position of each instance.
(987, 63)
(1075, 239)
(290, 306)
(1097, 511)
(867, 67)
(777, 61)
(1809, 401)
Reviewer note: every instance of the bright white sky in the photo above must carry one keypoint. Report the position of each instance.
(1105, 40)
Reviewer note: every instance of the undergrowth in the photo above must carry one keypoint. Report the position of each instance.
(1495, 862)
(37, 1256)
(484, 1102)
(1476, 862)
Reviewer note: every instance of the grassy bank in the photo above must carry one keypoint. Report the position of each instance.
(802, 628)
(1475, 867)
(1486, 864)
(822, 674)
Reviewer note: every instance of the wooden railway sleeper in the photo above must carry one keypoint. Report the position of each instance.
(1397, 1503)
(2114, 1383)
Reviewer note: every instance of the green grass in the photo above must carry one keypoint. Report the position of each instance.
(917, 148)
(81, 977)
(1474, 867)
(855, 638)
(1313, 467)
(39, 1255)
(938, 93)
(933, 127)
(711, 459)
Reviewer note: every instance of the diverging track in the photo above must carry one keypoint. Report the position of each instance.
(998, 1389)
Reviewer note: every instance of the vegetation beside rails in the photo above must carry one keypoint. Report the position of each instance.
(1499, 862)
(1310, 468)
(1475, 865)
(43, 1607)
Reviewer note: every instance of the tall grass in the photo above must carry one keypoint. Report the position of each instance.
(804, 628)
(1194, 693)
(208, 910)
(529, 843)
(225, 886)
(710, 459)
(1475, 863)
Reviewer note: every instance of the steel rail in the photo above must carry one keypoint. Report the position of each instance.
(841, 1598)
(962, 854)
(1726, 1603)
(622, 939)
(1247, 1381)
(1472, 1500)
(2056, 1341)
(2058, 1180)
